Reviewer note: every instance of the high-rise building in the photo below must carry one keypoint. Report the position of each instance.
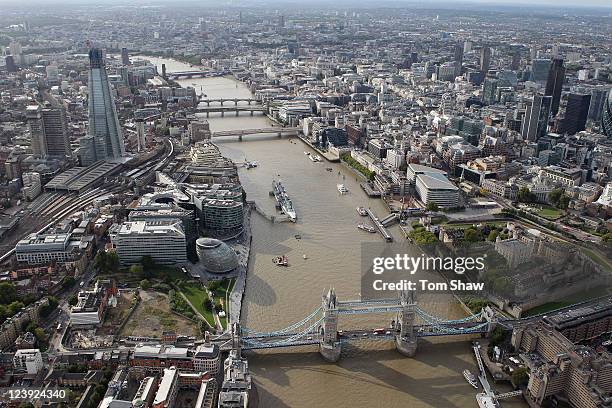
(554, 84)
(576, 113)
(599, 95)
(606, 118)
(125, 57)
(516, 61)
(10, 64)
(103, 121)
(489, 90)
(458, 59)
(539, 70)
(535, 122)
(485, 59)
(49, 131)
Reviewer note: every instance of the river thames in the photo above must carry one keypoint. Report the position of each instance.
(369, 374)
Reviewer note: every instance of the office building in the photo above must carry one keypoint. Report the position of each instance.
(606, 118)
(207, 358)
(125, 57)
(489, 91)
(103, 121)
(576, 113)
(163, 241)
(432, 185)
(236, 387)
(31, 185)
(44, 248)
(221, 216)
(216, 256)
(28, 361)
(458, 59)
(535, 121)
(11, 67)
(554, 84)
(561, 369)
(49, 131)
(199, 130)
(485, 59)
(168, 389)
(539, 70)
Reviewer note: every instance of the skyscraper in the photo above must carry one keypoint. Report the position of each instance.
(10, 64)
(103, 121)
(125, 57)
(535, 122)
(606, 118)
(49, 131)
(539, 70)
(554, 83)
(458, 59)
(576, 113)
(485, 59)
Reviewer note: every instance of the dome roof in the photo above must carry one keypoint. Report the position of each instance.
(216, 256)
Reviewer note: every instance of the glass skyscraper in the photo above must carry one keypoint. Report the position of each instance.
(104, 135)
(606, 118)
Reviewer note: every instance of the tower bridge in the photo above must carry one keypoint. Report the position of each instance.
(320, 327)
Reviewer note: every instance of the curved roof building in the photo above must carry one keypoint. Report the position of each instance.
(216, 256)
(606, 119)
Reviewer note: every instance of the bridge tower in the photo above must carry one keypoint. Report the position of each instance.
(237, 338)
(488, 314)
(329, 345)
(405, 340)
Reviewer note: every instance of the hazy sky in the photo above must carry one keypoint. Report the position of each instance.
(339, 3)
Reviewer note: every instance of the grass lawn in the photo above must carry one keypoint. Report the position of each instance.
(196, 294)
(550, 213)
(223, 294)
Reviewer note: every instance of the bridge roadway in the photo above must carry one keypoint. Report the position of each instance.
(389, 333)
(198, 73)
(223, 100)
(223, 109)
(245, 132)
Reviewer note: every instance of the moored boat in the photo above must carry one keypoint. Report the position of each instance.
(367, 228)
(342, 189)
(470, 378)
(362, 211)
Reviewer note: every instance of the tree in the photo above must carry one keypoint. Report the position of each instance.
(525, 195)
(136, 269)
(113, 262)
(472, 235)
(497, 336)
(520, 377)
(218, 307)
(564, 202)
(493, 235)
(208, 304)
(73, 300)
(607, 238)
(14, 307)
(431, 206)
(68, 281)
(555, 195)
(147, 262)
(145, 284)
(8, 293)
